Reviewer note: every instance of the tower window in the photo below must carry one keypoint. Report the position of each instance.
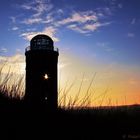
(46, 77)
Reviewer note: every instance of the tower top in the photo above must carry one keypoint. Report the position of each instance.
(41, 42)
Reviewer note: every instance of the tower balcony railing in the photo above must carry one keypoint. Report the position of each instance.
(29, 48)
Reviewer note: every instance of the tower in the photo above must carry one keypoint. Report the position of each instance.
(41, 72)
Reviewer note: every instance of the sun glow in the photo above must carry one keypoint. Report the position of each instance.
(22, 68)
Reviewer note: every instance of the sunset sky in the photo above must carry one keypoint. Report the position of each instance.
(97, 39)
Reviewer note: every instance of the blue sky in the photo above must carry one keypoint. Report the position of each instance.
(94, 34)
(107, 28)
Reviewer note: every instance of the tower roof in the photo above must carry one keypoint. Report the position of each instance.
(41, 36)
(41, 41)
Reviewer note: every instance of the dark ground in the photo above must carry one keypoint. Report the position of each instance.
(111, 123)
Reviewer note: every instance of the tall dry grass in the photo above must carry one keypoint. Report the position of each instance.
(12, 86)
(67, 101)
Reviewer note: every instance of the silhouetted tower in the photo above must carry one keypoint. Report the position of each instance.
(41, 72)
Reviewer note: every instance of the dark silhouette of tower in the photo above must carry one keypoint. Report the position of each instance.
(41, 72)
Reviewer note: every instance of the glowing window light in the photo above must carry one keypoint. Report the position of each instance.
(46, 77)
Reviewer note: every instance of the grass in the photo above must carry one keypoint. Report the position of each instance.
(12, 87)
(11, 84)
(68, 102)
(74, 118)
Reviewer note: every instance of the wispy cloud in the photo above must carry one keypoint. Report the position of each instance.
(77, 28)
(51, 31)
(48, 19)
(133, 81)
(131, 35)
(87, 28)
(104, 11)
(3, 50)
(41, 13)
(17, 58)
(38, 6)
(83, 22)
(92, 27)
(120, 5)
(15, 28)
(60, 11)
(13, 63)
(13, 19)
(105, 46)
(30, 21)
(18, 50)
(133, 21)
(80, 17)
(63, 65)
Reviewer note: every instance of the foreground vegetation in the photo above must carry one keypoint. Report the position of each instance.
(111, 123)
(18, 120)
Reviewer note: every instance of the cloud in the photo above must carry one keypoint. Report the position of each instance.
(38, 6)
(63, 65)
(3, 50)
(49, 19)
(42, 13)
(120, 5)
(87, 28)
(12, 64)
(31, 29)
(28, 35)
(17, 58)
(133, 82)
(74, 27)
(11, 60)
(60, 11)
(80, 17)
(13, 19)
(104, 11)
(30, 21)
(131, 35)
(82, 22)
(38, 20)
(92, 27)
(18, 50)
(105, 46)
(15, 28)
(133, 21)
(50, 31)
(2, 59)
(13, 71)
